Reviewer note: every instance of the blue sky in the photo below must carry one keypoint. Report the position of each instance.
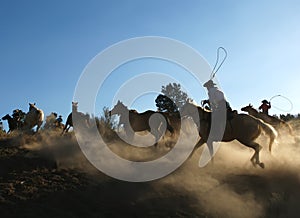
(45, 46)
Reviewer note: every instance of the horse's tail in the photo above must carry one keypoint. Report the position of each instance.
(270, 130)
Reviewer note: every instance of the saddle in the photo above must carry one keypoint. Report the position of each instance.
(230, 114)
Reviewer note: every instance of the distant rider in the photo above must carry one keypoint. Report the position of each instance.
(265, 106)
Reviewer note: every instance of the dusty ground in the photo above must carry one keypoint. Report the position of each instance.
(46, 175)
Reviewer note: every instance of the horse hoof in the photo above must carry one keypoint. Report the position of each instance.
(262, 165)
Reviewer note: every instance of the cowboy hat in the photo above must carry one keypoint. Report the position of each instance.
(209, 83)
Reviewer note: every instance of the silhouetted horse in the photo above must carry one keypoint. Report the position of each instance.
(275, 122)
(81, 117)
(137, 122)
(242, 127)
(34, 117)
(12, 123)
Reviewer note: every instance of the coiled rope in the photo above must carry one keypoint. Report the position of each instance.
(215, 69)
(287, 99)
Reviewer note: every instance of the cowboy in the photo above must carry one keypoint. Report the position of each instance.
(59, 120)
(265, 106)
(18, 116)
(222, 113)
(216, 96)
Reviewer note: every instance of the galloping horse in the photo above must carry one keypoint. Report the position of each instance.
(80, 115)
(242, 127)
(141, 121)
(12, 123)
(33, 118)
(275, 122)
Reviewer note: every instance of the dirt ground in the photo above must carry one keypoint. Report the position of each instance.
(46, 175)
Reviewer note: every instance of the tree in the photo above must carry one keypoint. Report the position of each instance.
(106, 120)
(287, 117)
(172, 98)
(164, 103)
(106, 125)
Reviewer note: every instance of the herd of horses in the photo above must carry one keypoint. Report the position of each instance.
(245, 128)
(34, 117)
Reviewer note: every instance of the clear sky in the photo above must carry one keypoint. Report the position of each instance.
(45, 45)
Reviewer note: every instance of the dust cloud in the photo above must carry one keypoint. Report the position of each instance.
(229, 186)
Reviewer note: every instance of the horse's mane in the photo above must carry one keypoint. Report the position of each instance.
(251, 106)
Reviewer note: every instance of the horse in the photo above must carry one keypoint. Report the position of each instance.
(34, 117)
(275, 122)
(12, 123)
(242, 127)
(142, 121)
(81, 116)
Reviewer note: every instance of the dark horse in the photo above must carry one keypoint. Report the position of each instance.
(242, 127)
(81, 116)
(275, 122)
(12, 123)
(149, 120)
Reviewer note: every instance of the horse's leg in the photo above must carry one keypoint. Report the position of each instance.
(39, 126)
(155, 128)
(63, 131)
(210, 149)
(199, 144)
(272, 140)
(156, 134)
(255, 158)
(68, 128)
(129, 134)
(261, 164)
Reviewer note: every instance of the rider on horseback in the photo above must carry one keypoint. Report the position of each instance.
(266, 105)
(19, 117)
(216, 98)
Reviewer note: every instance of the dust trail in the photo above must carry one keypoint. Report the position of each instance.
(228, 187)
(232, 187)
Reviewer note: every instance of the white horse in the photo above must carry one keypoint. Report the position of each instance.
(34, 117)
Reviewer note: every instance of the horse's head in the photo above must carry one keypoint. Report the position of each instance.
(32, 106)
(247, 108)
(74, 106)
(6, 117)
(119, 108)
